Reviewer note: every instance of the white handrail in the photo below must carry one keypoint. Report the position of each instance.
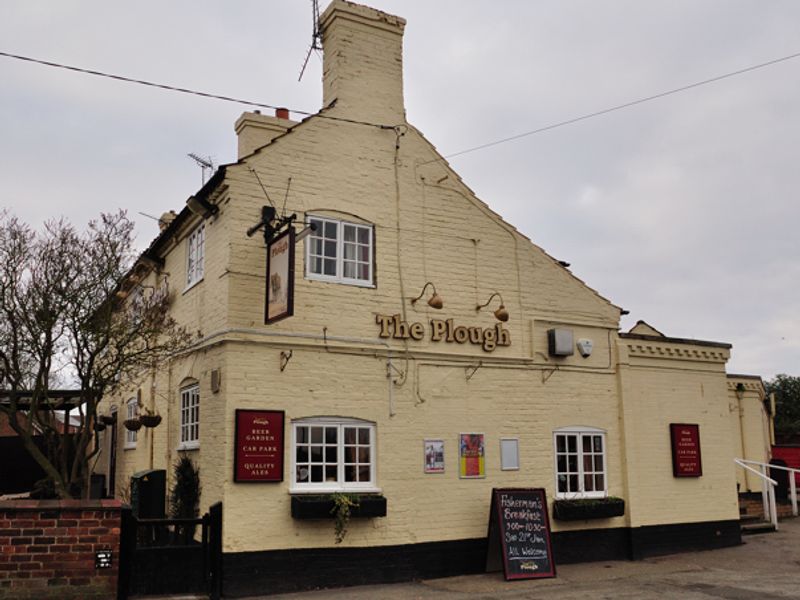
(768, 491)
(792, 479)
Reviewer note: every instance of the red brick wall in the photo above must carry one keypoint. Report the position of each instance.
(47, 549)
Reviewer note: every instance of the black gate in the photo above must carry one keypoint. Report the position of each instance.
(164, 556)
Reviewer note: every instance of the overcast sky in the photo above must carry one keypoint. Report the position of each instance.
(682, 210)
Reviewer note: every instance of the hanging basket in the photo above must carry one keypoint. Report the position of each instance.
(108, 419)
(99, 426)
(150, 420)
(132, 424)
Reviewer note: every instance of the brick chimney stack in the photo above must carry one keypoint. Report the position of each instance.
(363, 62)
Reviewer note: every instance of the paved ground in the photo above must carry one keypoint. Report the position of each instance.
(766, 567)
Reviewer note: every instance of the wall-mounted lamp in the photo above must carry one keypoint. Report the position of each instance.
(202, 207)
(305, 233)
(435, 301)
(740, 390)
(501, 314)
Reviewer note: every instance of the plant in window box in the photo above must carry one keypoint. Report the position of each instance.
(579, 509)
(133, 424)
(342, 506)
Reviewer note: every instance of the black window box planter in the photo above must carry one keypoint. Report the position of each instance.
(321, 507)
(588, 508)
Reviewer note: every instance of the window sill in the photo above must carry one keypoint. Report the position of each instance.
(129, 447)
(189, 446)
(191, 285)
(322, 506)
(352, 282)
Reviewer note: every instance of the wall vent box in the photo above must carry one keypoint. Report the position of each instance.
(560, 342)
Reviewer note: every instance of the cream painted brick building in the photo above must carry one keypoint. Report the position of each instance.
(359, 166)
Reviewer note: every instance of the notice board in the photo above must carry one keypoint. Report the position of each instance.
(519, 533)
(259, 446)
(686, 461)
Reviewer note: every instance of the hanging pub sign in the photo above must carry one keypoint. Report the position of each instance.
(259, 446)
(519, 533)
(280, 277)
(686, 460)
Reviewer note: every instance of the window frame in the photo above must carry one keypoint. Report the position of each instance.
(189, 442)
(580, 432)
(339, 485)
(340, 277)
(131, 412)
(195, 256)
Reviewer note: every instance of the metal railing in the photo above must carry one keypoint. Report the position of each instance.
(768, 487)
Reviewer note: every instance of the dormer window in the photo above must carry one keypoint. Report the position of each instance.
(339, 251)
(195, 251)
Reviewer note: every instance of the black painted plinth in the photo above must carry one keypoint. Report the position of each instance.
(282, 571)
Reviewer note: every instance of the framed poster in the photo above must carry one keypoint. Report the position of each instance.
(686, 461)
(259, 446)
(280, 277)
(434, 456)
(509, 454)
(471, 456)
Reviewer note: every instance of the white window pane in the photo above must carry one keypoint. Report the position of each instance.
(350, 270)
(363, 235)
(330, 267)
(331, 230)
(349, 233)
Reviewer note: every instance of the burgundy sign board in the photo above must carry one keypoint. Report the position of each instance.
(259, 446)
(686, 460)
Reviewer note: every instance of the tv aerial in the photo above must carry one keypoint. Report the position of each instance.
(206, 163)
(316, 36)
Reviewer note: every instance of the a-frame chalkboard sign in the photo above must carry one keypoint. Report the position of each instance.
(519, 532)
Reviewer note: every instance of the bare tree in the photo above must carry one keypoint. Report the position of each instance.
(62, 320)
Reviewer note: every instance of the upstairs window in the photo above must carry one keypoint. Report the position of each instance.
(580, 463)
(340, 251)
(332, 454)
(190, 418)
(195, 252)
(131, 412)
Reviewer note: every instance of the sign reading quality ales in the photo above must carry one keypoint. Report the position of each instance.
(259, 446)
(685, 450)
